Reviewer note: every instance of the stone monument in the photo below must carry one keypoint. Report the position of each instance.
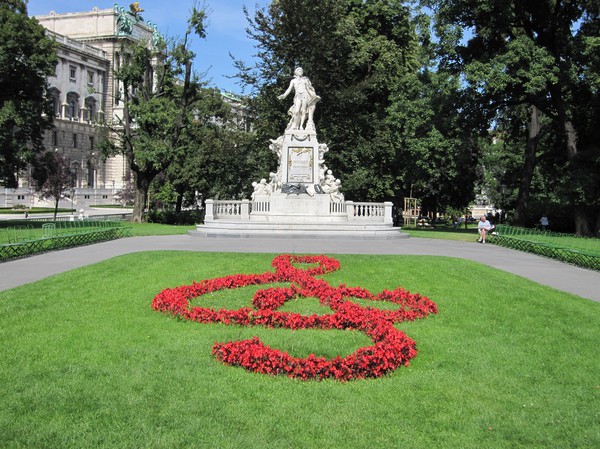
(303, 186)
(303, 197)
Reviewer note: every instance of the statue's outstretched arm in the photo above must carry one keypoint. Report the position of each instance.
(287, 92)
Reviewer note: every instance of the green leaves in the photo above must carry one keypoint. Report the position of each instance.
(27, 58)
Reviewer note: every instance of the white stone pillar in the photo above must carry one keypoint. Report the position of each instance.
(209, 215)
(350, 210)
(245, 212)
(387, 215)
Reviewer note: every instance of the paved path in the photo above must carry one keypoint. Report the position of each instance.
(585, 283)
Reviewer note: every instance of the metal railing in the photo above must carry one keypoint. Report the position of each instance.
(581, 251)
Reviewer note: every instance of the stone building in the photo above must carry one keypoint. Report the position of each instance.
(84, 91)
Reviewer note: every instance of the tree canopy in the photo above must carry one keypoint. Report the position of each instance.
(391, 124)
(27, 58)
(543, 56)
(160, 101)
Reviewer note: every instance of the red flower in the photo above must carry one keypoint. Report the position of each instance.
(391, 348)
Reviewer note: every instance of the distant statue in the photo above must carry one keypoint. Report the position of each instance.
(124, 20)
(323, 148)
(305, 99)
(135, 10)
(275, 182)
(276, 146)
(261, 188)
(335, 194)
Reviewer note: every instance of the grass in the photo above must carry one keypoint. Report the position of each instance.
(138, 229)
(87, 363)
(141, 229)
(33, 210)
(444, 232)
(589, 245)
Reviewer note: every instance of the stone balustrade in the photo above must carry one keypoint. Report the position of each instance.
(241, 210)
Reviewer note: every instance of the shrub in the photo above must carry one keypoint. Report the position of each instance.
(186, 217)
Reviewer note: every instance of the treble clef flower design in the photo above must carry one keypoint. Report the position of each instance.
(391, 349)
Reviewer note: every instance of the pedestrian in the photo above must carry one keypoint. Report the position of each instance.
(483, 227)
(544, 222)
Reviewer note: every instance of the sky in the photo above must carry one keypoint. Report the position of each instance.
(225, 31)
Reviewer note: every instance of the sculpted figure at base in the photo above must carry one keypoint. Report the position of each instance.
(305, 99)
(261, 188)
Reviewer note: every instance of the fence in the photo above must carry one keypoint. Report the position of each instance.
(22, 241)
(354, 211)
(581, 251)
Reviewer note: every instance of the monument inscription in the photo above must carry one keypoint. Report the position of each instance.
(300, 165)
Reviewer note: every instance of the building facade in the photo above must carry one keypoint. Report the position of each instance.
(84, 92)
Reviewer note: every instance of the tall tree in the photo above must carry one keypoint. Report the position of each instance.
(543, 55)
(27, 58)
(214, 162)
(160, 92)
(354, 52)
(437, 131)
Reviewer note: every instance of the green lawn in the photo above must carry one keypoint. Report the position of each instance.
(444, 232)
(86, 363)
(140, 229)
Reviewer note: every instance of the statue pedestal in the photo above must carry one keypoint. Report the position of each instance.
(302, 199)
(299, 158)
(290, 208)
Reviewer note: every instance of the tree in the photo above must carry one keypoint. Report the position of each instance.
(388, 115)
(437, 132)
(354, 52)
(27, 58)
(542, 55)
(214, 162)
(54, 177)
(160, 93)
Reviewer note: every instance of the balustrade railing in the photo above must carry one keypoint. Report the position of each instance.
(260, 206)
(224, 209)
(369, 212)
(240, 210)
(337, 208)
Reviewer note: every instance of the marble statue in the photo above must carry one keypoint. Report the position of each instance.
(305, 99)
(335, 194)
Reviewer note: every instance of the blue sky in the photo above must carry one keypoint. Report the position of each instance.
(225, 32)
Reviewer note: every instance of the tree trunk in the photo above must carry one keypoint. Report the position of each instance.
(179, 203)
(534, 129)
(582, 224)
(56, 199)
(140, 205)
(580, 216)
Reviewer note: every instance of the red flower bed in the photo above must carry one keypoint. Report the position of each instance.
(391, 347)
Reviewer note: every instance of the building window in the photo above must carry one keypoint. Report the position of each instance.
(91, 143)
(90, 104)
(104, 197)
(54, 138)
(90, 174)
(72, 106)
(86, 197)
(20, 197)
(54, 101)
(74, 140)
(90, 78)
(72, 73)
